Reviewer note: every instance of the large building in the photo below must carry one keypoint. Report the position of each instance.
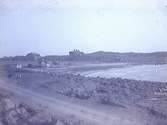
(76, 52)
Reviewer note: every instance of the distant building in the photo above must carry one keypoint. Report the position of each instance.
(46, 63)
(76, 52)
(33, 56)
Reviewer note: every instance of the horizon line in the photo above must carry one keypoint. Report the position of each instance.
(125, 52)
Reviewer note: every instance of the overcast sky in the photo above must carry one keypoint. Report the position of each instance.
(57, 26)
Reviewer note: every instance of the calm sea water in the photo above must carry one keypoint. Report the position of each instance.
(140, 72)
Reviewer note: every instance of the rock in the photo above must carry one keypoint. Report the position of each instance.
(9, 104)
(22, 113)
(12, 117)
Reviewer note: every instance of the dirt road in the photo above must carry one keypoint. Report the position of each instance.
(92, 116)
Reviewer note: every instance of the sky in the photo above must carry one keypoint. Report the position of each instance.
(54, 27)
